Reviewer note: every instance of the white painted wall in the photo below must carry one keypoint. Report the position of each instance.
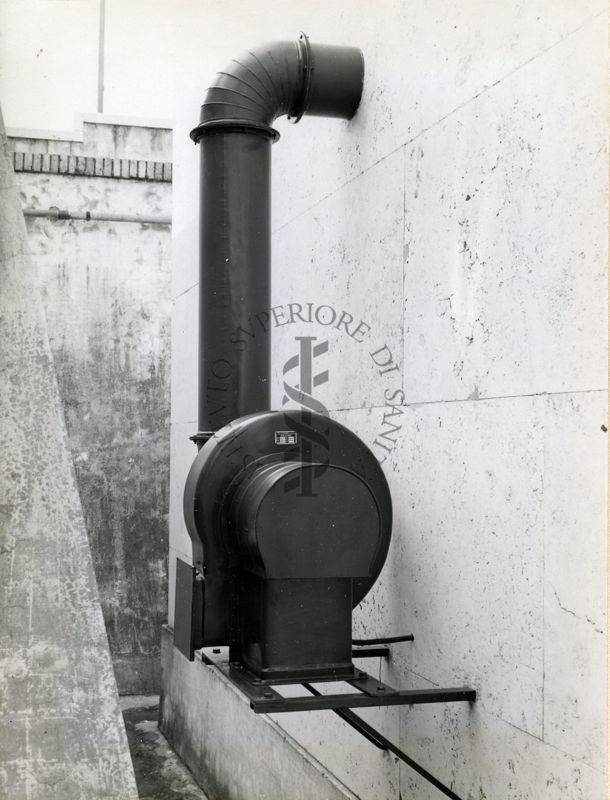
(462, 215)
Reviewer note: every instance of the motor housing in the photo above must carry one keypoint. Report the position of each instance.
(290, 517)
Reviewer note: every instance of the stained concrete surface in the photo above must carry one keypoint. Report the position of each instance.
(105, 288)
(160, 774)
(61, 732)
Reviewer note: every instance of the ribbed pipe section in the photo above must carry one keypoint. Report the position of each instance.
(259, 86)
(284, 78)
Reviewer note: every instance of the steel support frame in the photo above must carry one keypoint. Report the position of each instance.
(264, 699)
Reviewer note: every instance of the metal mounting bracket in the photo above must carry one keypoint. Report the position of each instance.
(264, 699)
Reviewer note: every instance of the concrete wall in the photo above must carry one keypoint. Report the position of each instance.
(106, 290)
(61, 731)
(462, 217)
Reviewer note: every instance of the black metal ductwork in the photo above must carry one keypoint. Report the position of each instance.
(276, 570)
(234, 133)
(293, 78)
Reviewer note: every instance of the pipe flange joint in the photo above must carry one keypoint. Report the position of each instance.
(233, 126)
(201, 437)
(307, 66)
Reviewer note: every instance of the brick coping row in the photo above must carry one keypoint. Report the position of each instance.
(93, 167)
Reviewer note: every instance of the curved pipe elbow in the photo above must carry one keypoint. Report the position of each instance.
(283, 78)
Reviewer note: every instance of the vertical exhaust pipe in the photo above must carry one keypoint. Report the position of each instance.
(235, 135)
